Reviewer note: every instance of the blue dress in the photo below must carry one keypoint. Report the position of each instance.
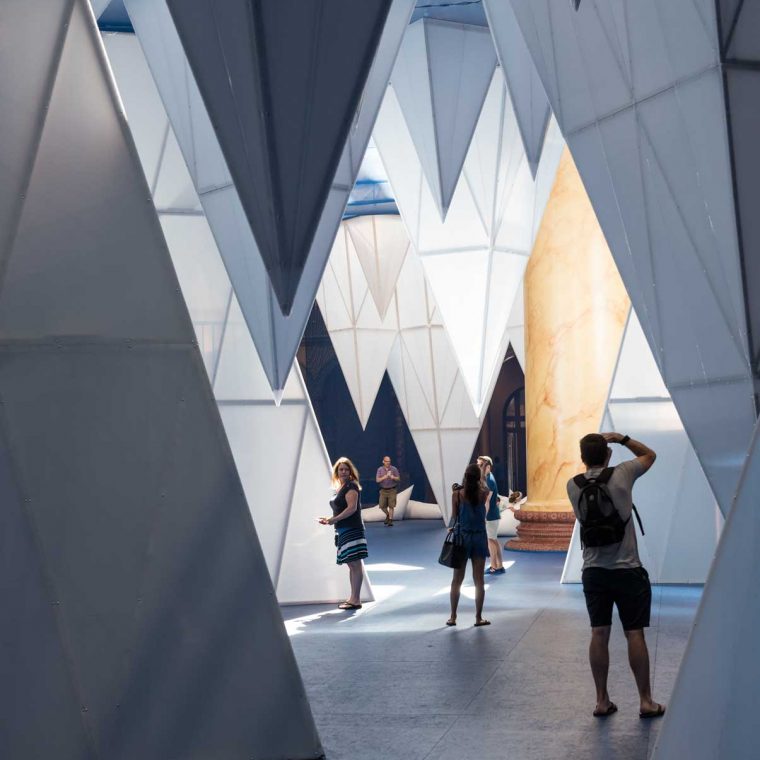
(472, 528)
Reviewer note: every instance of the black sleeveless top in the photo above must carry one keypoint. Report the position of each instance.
(339, 503)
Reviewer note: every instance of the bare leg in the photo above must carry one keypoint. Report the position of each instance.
(599, 658)
(456, 585)
(478, 566)
(638, 658)
(356, 576)
(494, 549)
(390, 514)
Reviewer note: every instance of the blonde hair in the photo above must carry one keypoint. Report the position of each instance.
(353, 473)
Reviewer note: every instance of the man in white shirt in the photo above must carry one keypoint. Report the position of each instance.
(612, 573)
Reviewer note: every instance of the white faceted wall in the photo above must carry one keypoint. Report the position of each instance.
(474, 260)
(278, 449)
(637, 90)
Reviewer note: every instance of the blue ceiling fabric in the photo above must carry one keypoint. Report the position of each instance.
(281, 80)
(738, 24)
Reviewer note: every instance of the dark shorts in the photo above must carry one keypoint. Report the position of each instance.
(629, 589)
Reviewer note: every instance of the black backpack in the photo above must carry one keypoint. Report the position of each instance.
(603, 524)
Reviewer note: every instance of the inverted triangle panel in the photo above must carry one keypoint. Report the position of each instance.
(281, 81)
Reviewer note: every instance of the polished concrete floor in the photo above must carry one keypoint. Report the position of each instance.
(392, 681)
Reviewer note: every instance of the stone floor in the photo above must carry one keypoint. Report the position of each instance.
(392, 681)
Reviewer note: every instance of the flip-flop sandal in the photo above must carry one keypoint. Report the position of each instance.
(451, 622)
(349, 606)
(482, 622)
(604, 713)
(658, 713)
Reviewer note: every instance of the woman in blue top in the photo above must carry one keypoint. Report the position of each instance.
(469, 518)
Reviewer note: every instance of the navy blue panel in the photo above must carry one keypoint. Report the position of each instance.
(115, 18)
(386, 431)
(459, 11)
(282, 80)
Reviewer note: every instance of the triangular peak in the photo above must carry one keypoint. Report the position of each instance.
(441, 79)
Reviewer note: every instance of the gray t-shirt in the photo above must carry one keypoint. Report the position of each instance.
(625, 554)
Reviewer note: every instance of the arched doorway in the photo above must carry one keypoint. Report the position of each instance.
(513, 424)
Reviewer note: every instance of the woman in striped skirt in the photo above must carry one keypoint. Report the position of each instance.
(349, 527)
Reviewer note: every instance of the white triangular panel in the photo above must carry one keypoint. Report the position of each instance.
(722, 649)
(441, 78)
(361, 338)
(474, 260)
(276, 445)
(525, 89)
(126, 537)
(639, 95)
(680, 515)
(381, 243)
(276, 335)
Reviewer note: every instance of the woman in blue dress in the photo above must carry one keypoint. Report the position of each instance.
(350, 538)
(469, 517)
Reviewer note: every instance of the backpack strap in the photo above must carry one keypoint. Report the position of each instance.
(580, 481)
(638, 518)
(604, 476)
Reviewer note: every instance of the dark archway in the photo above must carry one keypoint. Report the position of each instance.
(513, 425)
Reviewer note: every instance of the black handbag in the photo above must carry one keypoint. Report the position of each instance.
(453, 553)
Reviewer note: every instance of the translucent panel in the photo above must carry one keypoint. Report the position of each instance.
(140, 524)
(516, 326)
(324, 55)
(205, 285)
(636, 375)
(441, 78)
(239, 374)
(729, 613)
(362, 340)
(460, 64)
(658, 172)
(275, 334)
(143, 106)
(174, 188)
(381, 244)
(308, 571)
(266, 442)
(74, 202)
(471, 259)
(720, 447)
(525, 89)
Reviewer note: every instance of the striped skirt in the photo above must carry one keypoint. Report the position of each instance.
(351, 543)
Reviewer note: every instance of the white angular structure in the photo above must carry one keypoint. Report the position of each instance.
(526, 92)
(441, 79)
(381, 244)
(362, 339)
(682, 521)
(279, 451)
(638, 91)
(475, 259)
(141, 620)
(429, 386)
(722, 651)
(275, 274)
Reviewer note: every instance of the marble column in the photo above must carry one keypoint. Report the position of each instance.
(575, 313)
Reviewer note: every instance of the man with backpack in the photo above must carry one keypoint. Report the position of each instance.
(612, 571)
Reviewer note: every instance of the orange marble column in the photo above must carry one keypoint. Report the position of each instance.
(575, 312)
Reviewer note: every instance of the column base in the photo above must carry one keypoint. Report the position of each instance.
(541, 531)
